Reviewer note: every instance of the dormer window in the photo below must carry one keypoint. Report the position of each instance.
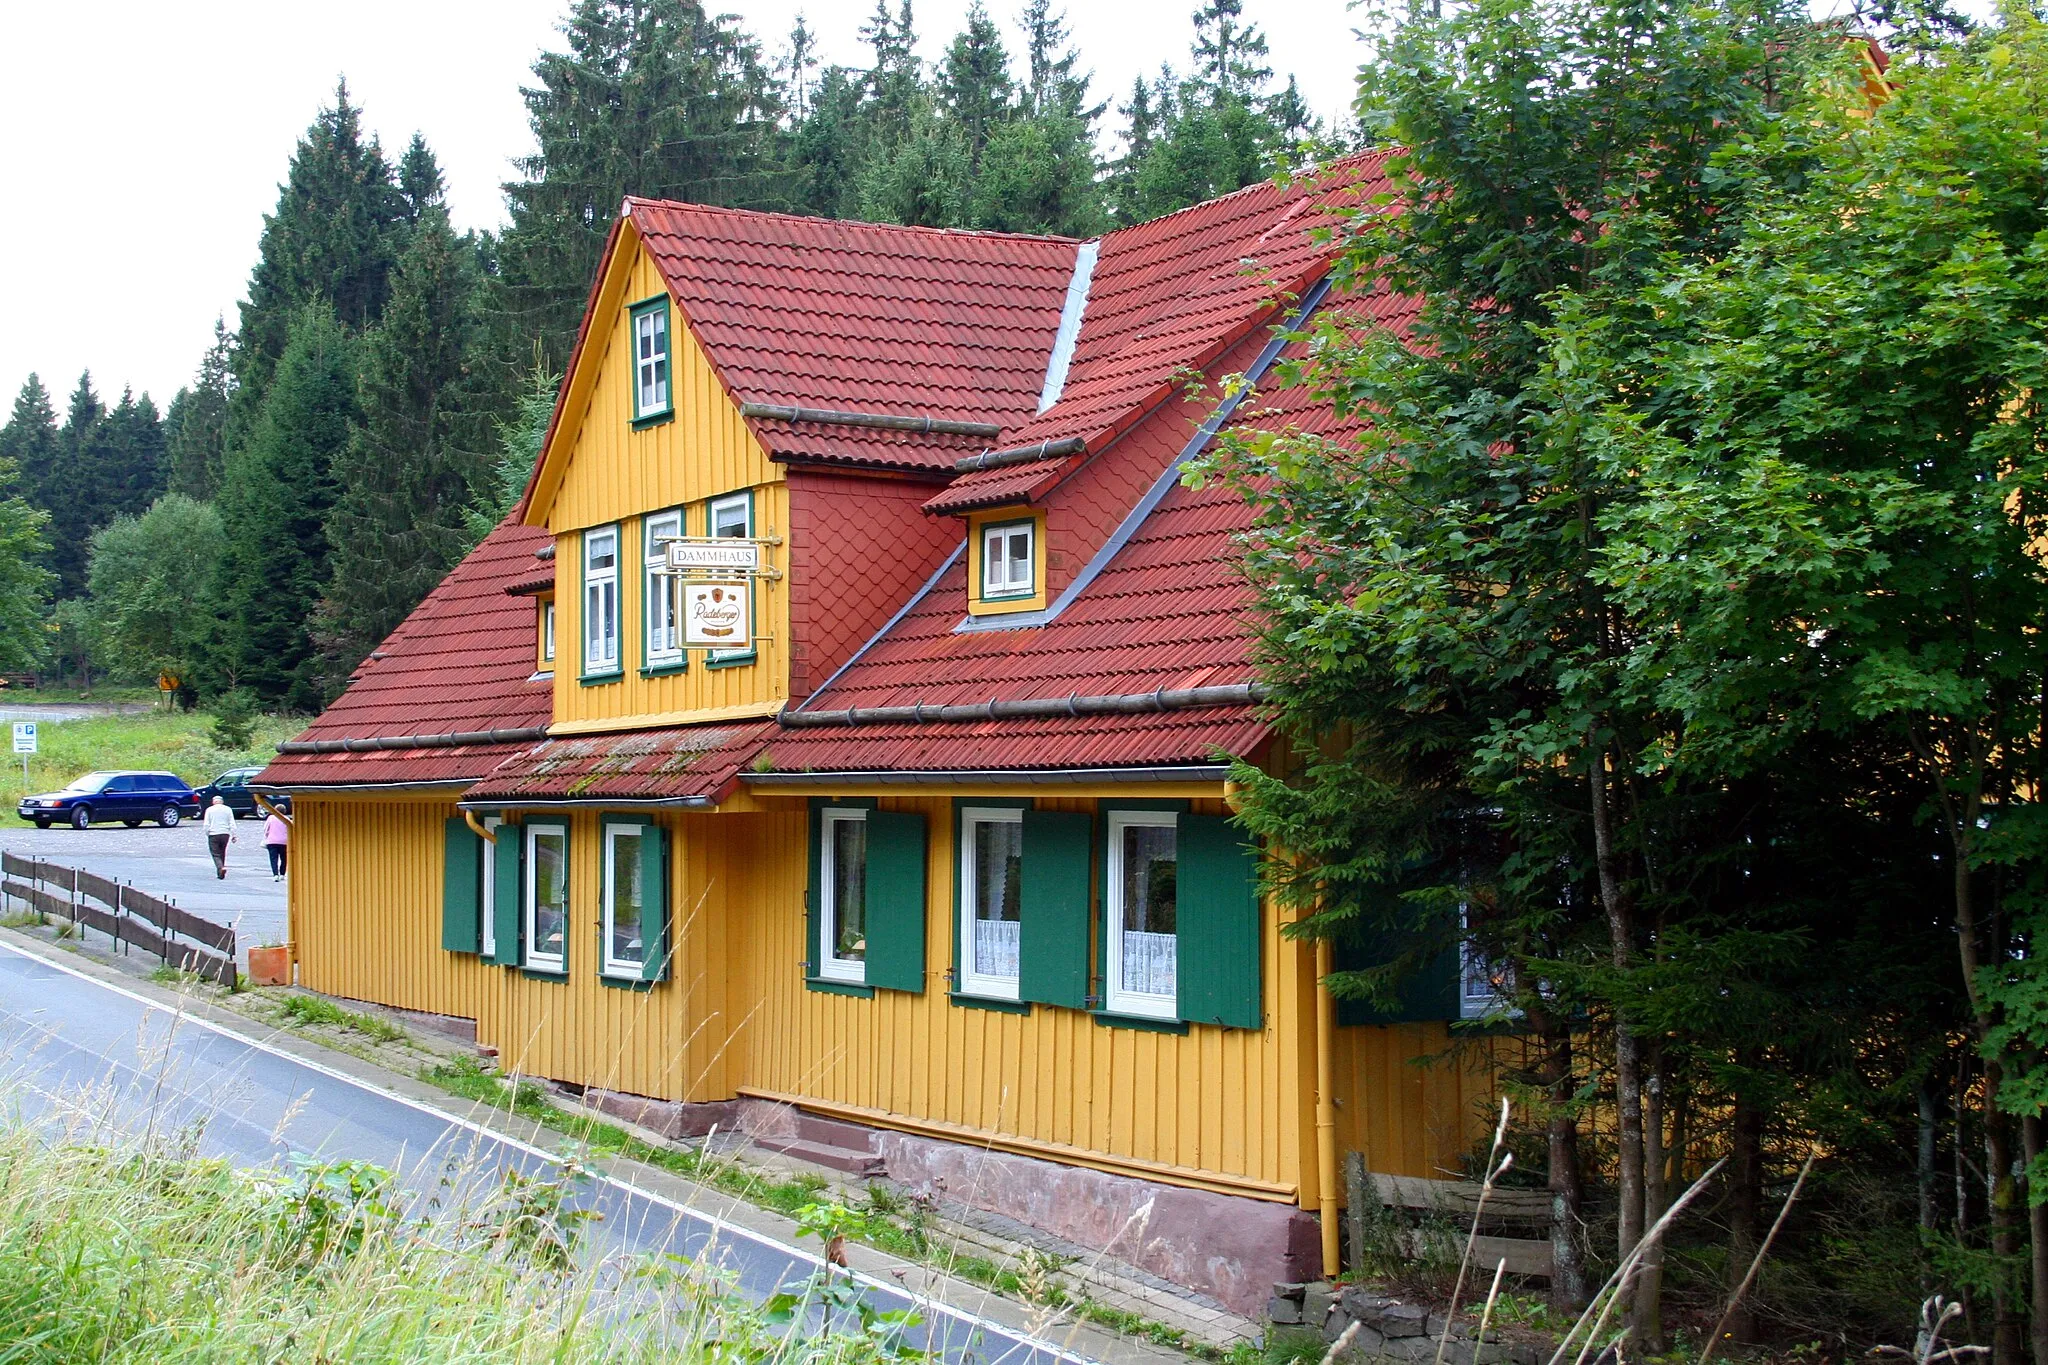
(1008, 560)
(650, 361)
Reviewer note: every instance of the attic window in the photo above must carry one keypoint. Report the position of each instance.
(650, 360)
(1007, 560)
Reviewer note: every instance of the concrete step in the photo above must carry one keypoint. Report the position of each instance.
(856, 1163)
(835, 1133)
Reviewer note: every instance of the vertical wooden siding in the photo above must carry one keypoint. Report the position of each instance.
(366, 904)
(615, 474)
(1222, 1101)
(735, 1014)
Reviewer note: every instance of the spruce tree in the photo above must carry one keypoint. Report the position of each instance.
(330, 239)
(195, 424)
(66, 490)
(1230, 54)
(132, 467)
(654, 98)
(417, 452)
(1052, 82)
(1040, 175)
(30, 441)
(274, 501)
(974, 81)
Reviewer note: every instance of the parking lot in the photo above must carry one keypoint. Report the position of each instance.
(172, 863)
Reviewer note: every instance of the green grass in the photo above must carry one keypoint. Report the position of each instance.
(891, 1224)
(175, 741)
(319, 1010)
(129, 1254)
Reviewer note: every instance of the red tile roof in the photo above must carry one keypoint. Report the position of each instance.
(864, 317)
(1171, 296)
(461, 663)
(1168, 610)
(690, 761)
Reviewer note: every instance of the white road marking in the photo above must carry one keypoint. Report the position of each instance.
(684, 1211)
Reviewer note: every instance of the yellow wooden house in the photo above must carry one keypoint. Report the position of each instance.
(832, 746)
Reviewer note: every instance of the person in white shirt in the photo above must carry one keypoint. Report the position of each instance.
(220, 832)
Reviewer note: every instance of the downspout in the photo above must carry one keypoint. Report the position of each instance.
(489, 836)
(1326, 1107)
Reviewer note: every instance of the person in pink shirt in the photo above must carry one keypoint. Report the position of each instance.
(277, 833)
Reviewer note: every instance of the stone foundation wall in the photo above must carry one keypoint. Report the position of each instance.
(1383, 1329)
(1230, 1248)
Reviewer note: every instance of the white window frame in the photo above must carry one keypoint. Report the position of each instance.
(547, 630)
(830, 966)
(660, 586)
(1142, 1004)
(996, 535)
(614, 966)
(744, 500)
(529, 904)
(973, 981)
(600, 585)
(489, 951)
(653, 373)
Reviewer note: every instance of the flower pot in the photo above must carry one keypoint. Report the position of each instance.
(270, 966)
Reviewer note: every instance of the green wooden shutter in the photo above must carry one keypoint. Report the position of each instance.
(896, 900)
(1217, 910)
(1052, 962)
(462, 887)
(655, 932)
(506, 893)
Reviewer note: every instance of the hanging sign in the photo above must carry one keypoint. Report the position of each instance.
(717, 615)
(722, 553)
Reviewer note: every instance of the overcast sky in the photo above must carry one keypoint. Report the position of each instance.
(144, 140)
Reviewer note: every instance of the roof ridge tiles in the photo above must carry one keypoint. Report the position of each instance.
(755, 214)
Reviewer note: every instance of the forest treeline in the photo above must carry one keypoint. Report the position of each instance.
(386, 384)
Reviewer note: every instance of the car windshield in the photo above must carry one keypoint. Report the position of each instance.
(91, 782)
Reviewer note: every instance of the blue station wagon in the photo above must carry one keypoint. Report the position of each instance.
(130, 797)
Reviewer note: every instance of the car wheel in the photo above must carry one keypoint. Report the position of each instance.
(81, 818)
(168, 817)
(42, 824)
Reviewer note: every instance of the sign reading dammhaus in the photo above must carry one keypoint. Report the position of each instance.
(720, 553)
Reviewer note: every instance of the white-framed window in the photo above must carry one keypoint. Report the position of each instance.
(489, 950)
(843, 895)
(650, 359)
(991, 881)
(601, 600)
(1143, 950)
(732, 517)
(547, 630)
(664, 592)
(547, 897)
(1007, 563)
(626, 900)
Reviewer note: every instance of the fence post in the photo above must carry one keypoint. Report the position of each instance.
(1357, 1189)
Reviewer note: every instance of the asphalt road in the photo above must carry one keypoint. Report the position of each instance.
(82, 1048)
(173, 864)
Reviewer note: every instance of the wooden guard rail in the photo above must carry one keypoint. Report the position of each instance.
(1507, 1210)
(123, 914)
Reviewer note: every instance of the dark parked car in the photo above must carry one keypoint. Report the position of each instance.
(232, 787)
(130, 798)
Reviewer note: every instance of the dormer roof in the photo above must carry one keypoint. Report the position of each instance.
(1167, 298)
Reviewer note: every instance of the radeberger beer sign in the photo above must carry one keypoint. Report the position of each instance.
(717, 615)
